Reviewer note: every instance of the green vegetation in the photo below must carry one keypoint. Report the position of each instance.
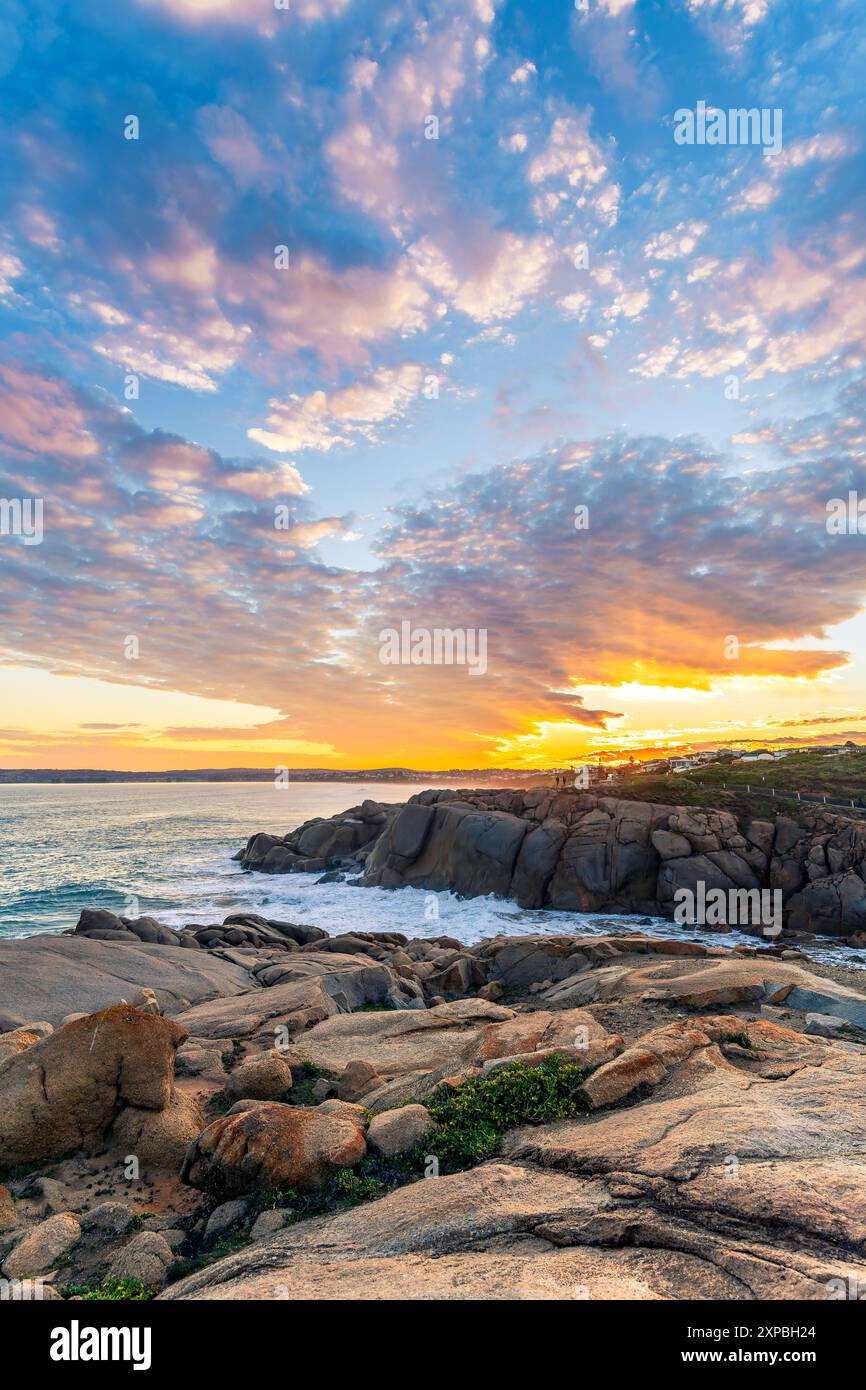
(814, 772)
(473, 1117)
(304, 1078)
(129, 1290)
(373, 1177)
(139, 1219)
(722, 786)
(471, 1120)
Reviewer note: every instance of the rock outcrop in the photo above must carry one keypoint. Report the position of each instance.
(579, 852)
(714, 1143)
(319, 843)
(310, 986)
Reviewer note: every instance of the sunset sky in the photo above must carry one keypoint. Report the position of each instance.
(551, 305)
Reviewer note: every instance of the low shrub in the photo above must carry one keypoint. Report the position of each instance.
(473, 1116)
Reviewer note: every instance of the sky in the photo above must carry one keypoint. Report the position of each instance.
(323, 317)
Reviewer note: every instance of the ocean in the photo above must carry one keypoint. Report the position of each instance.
(164, 849)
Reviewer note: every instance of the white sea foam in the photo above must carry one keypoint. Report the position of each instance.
(221, 889)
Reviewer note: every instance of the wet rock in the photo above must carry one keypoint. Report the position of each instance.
(834, 906)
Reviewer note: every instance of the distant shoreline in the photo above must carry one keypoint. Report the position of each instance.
(94, 777)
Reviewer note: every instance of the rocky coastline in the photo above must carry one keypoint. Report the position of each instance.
(258, 1110)
(579, 852)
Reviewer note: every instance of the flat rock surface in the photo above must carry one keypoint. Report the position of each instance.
(48, 977)
(501, 1231)
(725, 1157)
(400, 1040)
(737, 1170)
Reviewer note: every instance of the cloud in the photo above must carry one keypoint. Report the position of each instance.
(325, 420)
(680, 553)
(823, 148)
(488, 274)
(41, 416)
(805, 306)
(572, 169)
(263, 16)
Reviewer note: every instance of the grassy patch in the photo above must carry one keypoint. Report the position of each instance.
(128, 1290)
(722, 786)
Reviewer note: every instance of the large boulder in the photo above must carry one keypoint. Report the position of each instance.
(536, 863)
(105, 926)
(675, 874)
(399, 1131)
(19, 1039)
(272, 1146)
(145, 1259)
(518, 962)
(65, 1092)
(460, 848)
